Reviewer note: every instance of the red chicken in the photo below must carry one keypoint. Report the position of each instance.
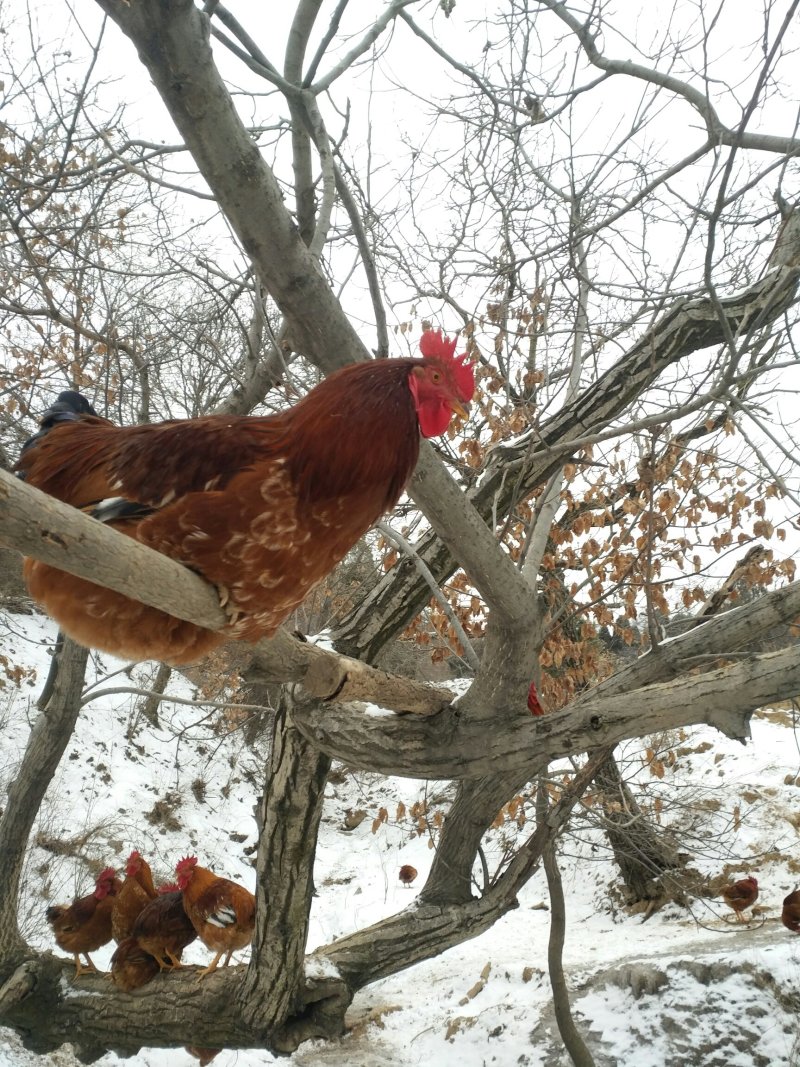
(163, 928)
(85, 925)
(741, 895)
(222, 912)
(790, 916)
(205, 1055)
(131, 966)
(264, 508)
(534, 704)
(137, 891)
(407, 874)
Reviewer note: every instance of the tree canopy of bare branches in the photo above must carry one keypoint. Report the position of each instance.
(609, 219)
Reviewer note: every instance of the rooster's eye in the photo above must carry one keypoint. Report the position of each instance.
(436, 377)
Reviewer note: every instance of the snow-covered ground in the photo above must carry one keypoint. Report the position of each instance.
(687, 986)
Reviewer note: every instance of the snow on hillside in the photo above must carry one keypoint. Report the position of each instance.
(688, 986)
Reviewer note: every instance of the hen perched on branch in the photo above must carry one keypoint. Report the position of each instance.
(85, 924)
(264, 508)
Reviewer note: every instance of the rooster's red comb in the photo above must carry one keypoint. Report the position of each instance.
(186, 864)
(433, 346)
(108, 874)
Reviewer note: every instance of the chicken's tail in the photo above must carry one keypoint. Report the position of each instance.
(70, 406)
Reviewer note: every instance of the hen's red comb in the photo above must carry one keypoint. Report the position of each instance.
(134, 863)
(434, 346)
(108, 874)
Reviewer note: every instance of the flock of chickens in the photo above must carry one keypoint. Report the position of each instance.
(264, 508)
(153, 926)
(743, 894)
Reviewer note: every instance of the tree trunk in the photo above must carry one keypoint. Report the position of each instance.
(291, 812)
(642, 854)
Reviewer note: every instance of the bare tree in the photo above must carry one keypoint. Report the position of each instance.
(631, 300)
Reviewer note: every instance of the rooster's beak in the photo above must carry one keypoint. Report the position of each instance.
(460, 409)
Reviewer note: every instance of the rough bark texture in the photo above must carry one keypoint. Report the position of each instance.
(292, 809)
(723, 698)
(642, 854)
(475, 806)
(485, 739)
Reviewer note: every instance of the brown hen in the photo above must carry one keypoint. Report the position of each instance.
(137, 891)
(163, 928)
(131, 966)
(262, 507)
(407, 874)
(85, 924)
(790, 915)
(741, 895)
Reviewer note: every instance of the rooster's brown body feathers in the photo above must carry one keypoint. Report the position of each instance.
(222, 912)
(137, 891)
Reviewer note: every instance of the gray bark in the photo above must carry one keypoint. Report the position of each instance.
(284, 877)
(643, 854)
(570, 1035)
(484, 739)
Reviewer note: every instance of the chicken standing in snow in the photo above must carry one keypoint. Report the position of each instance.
(790, 915)
(407, 874)
(264, 508)
(741, 895)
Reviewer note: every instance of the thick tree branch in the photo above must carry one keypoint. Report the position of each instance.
(40, 526)
(515, 470)
(292, 808)
(449, 747)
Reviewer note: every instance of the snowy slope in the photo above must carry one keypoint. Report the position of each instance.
(688, 986)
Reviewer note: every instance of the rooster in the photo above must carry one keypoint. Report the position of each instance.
(137, 890)
(85, 924)
(790, 915)
(263, 508)
(740, 896)
(222, 912)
